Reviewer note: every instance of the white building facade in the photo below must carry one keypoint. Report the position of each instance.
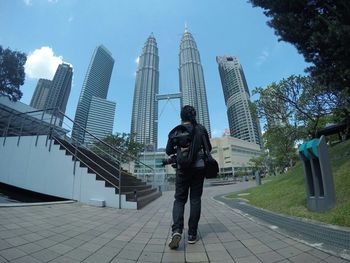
(233, 154)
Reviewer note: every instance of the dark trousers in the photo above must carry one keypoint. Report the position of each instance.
(188, 181)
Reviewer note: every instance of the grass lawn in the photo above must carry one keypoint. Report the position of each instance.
(286, 193)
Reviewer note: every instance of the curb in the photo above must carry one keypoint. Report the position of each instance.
(329, 238)
(36, 204)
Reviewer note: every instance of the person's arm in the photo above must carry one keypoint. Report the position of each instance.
(170, 149)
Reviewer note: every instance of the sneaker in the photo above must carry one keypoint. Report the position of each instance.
(192, 239)
(175, 240)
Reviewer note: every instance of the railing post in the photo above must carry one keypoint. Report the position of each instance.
(6, 130)
(75, 143)
(51, 133)
(48, 133)
(120, 181)
(20, 131)
(37, 136)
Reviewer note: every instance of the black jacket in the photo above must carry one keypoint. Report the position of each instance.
(197, 143)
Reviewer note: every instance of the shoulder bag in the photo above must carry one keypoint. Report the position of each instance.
(211, 165)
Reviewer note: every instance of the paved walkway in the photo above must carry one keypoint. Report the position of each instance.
(80, 233)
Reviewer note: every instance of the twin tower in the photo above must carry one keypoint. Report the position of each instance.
(144, 119)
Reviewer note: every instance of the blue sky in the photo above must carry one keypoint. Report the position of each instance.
(72, 29)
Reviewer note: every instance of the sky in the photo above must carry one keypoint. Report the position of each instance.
(52, 31)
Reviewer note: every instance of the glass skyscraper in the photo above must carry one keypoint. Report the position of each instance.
(100, 119)
(96, 84)
(145, 106)
(192, 84)
(237, 97)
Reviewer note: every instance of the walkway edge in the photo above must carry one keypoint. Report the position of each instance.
(329, 238)
(37, 203)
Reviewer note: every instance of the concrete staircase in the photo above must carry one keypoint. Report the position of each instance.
(108, 171)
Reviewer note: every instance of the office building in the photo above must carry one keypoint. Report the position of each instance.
(95, 84)
(191, 75)
(242, 123)
(100, 119)
(145, 106)
(40, 94)
(61, 84)
(233, 154)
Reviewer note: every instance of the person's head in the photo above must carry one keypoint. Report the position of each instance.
(188, 114)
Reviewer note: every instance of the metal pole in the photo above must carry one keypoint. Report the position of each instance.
(20, 131)
(48, 134)
(75, 151)
(6, 131)
(120, 182)
(37, 136)
(154, 167)
(51, 134)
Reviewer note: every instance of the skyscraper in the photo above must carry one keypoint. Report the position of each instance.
(40, 94)
(236, 93)
(192, 84)
(100, 119)
(96, 84)
(60, 88)
(145, 106)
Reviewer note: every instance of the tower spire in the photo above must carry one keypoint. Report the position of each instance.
(186, 27)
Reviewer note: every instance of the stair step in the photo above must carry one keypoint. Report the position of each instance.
(131, 195)
(126, 189)
(145, 200)
(108, 171)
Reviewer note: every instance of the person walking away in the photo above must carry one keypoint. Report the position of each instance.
(186, 142)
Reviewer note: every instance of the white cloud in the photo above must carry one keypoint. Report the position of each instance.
(27, 2)
(42, 63)
(262, 58)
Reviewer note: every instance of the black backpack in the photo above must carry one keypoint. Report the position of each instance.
(182, 137)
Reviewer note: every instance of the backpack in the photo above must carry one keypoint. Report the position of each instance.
(182, 137)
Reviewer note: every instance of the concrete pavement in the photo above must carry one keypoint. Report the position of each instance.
(80, 233)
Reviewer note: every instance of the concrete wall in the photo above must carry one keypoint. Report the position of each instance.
(35, 168)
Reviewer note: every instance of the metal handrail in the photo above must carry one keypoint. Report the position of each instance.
(99, 157)
(53, 132)
(27, 112)
(104, 143)
(93, 136)
(76, 148)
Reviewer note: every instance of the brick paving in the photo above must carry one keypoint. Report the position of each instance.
(81, 233)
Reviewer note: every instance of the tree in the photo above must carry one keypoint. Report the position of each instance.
(294, 109)
(122, 142)
(297, 101)
(280, 142)
(11, 73)
(260, 163)
(320, 30)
